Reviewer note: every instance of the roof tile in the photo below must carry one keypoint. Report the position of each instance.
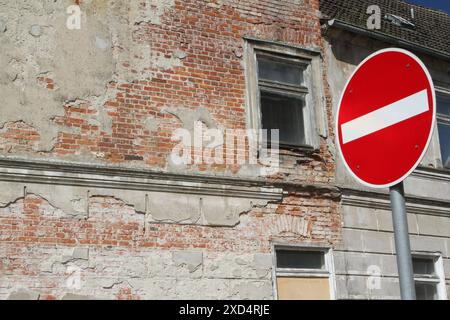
(432, 27)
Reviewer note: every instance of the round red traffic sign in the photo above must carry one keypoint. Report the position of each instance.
(385, 117)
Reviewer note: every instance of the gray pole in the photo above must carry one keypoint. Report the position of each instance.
(402, 246)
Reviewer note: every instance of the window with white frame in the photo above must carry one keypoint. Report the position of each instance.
(429, 277)
(443, 122)
(303, 273)
(284, 90)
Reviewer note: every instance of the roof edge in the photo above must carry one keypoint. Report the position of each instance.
(388, 38)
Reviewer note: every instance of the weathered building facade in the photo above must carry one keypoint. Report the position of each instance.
(368, 246)
(94, 205)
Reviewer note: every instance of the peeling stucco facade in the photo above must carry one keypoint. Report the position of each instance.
(89, 190)
(92, 206)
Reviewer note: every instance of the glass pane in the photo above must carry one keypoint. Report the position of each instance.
(275, 70)
(286, 114)
(423, 266)
(426, 291)
(300, 259)
(443, 105)
(444, 140)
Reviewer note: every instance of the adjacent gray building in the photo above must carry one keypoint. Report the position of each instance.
(365, 262)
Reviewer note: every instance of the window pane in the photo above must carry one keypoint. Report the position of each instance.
(443, 105)
(444, 140)
(284, 113)
(423, 266)
(300, 259)
(426, 291)
(284, 72)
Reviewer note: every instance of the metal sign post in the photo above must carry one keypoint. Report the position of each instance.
(402, 246)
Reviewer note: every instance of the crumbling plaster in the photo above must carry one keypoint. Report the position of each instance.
(36, 43)
(158, 206)
(151, 274)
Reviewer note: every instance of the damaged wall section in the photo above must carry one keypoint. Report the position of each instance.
(115, 253)
(92, 206)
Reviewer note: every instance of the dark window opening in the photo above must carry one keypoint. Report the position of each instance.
(286, 114)
(299, 259)
(282, 98)
(426, 291)
(423, 266)
(279, 71)
(426, 280)
(443, 122)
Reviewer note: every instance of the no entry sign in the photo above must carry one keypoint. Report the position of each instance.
(385, 117)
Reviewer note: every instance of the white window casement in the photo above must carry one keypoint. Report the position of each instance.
(285, 92)
(443, 125)
(303, 273)
(438, 154)
(429, 277)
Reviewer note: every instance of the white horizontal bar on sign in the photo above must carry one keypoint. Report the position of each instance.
(384, 117)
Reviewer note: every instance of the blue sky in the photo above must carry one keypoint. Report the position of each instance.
(436, 4)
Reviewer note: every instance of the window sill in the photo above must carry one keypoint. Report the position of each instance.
(289, 150)
(426, 279)
(302, 273)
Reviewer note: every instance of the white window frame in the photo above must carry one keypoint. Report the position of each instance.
(314, 115)
(439, 270)
(327, 272)
(442, 92)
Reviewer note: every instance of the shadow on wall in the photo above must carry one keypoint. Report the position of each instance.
(351, 48)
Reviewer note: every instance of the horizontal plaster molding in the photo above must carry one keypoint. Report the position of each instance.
(432, 174)
(100, 176)
(380, 200)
